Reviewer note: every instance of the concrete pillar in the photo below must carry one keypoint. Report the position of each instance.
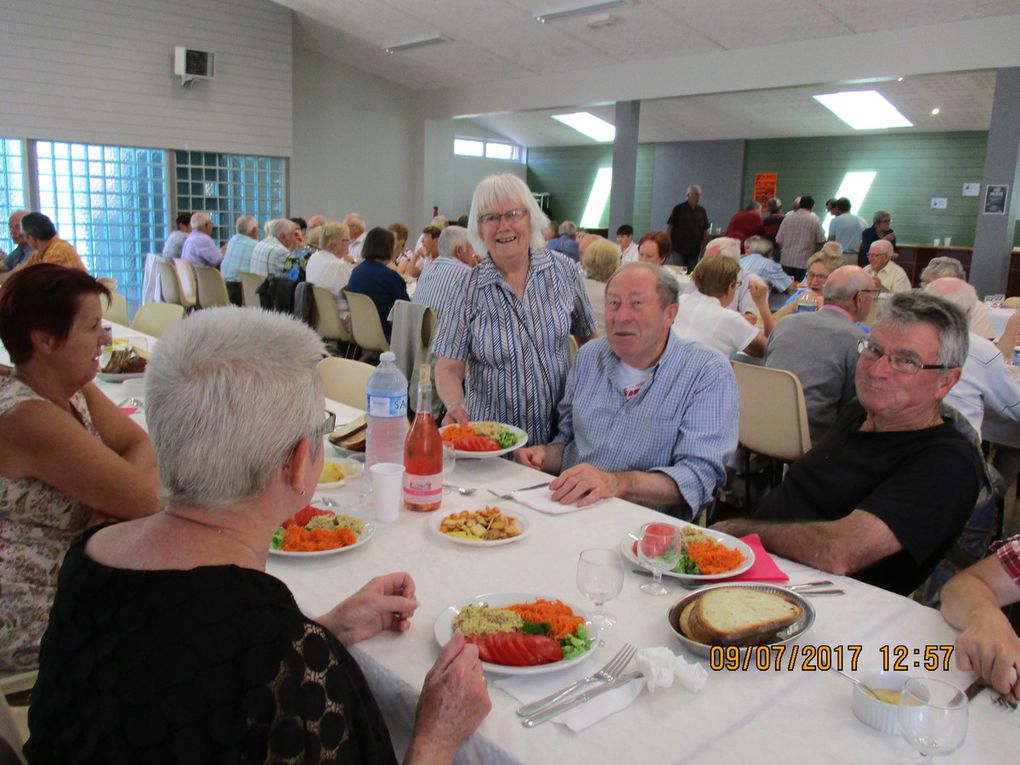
(621, 196)
(993, 239)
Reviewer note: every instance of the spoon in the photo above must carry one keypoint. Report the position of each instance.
(856, 682)
(462, 490)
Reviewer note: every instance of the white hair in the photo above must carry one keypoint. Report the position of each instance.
(198, 220)
(694, 187)
(355, 219)
(496, 191)
(725, 247)
(280, 227)
(244, 224)
(229, 393)
(452, 238)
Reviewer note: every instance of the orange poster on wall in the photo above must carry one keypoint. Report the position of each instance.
(765, 186)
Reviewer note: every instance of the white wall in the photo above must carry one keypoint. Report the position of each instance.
(101, 71)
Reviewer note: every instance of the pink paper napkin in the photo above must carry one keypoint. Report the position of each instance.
(133, 409)
(764, 569)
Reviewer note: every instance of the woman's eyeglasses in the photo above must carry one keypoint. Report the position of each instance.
(490, 220)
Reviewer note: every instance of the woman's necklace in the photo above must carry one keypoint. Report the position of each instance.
(208, 527)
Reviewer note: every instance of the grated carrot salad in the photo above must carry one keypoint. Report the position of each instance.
(453, 432)
(713, 558)
(300, 539)
(562, 620)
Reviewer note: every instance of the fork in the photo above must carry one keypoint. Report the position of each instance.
(510, 495)
(1006, 701)
(607, 674)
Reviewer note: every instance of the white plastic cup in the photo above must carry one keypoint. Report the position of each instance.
(937, 242)
(949, 241)
(387, 490)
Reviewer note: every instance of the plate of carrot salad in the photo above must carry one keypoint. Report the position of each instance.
(705, 554)
(314, 531)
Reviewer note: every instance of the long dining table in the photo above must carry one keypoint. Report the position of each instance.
(787, 712)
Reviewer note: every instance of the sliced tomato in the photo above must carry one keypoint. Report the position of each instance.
(484, 651)
(476, 444)
(301, 517)
(544, 648)
(515, 649)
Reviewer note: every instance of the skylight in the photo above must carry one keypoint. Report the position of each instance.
(597, 199)
(863, 110)
(855, 187)
(589, 125)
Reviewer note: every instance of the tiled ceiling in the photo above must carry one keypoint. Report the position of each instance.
(496, 41)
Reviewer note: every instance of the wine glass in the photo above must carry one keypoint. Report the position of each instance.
(932, 716)
(659, 550)
(600, 578)
(449, 463)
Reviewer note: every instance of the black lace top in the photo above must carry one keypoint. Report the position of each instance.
(212, 665)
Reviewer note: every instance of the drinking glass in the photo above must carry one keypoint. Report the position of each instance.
(600, 578)
(659, 550)
(449, 463)
(932, 716)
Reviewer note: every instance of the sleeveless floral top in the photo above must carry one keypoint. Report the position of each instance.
(37, 524)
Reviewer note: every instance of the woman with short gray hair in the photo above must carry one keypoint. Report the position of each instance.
(167, 635)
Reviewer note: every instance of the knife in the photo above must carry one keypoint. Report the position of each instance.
(578, 700)
(975, 688)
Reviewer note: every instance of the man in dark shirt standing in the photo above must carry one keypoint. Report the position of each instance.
(688, 229)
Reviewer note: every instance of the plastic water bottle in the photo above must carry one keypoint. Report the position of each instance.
(386, 413)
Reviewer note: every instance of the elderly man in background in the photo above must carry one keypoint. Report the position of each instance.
(566, 242)
(757, 261)
(314, 221)
(887, 491)
(199, 248)
(773, 219)
(237, 257)
(748, 222)
(846, 228)
(269, 256)
(688, 229)
(356, 228)
(441, 287)
(21, 251)
(646, 416)
(41, 236)
(625, 241)
(881, 228)
(820, 347)
(174, 243)
(799, 236)
(888, 276)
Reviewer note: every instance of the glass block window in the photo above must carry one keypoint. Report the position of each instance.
(12, 177)
(228, 186)
(109, 202)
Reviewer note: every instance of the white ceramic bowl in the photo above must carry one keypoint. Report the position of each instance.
(876, 714)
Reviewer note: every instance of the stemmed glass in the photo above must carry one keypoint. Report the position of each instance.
(449, 463)
(600, 578)
(932, 716)
(659, 550)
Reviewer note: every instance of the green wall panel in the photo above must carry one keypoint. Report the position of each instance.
(568, 172)
(912, 168)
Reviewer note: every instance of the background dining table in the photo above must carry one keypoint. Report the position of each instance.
(788, 714)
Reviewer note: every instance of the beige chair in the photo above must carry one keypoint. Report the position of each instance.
(212, 290)
(345, 380)
(169, 283)
(773, 417)
(11, 738)
(250, 284)
(327, 317)
(1011, 302)
(365, 324)
(109, 282)
(117, 311)
(156, 318)
(186, 278)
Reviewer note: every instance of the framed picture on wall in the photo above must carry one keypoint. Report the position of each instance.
(995, 199)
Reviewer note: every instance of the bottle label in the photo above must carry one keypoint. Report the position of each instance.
(423, 489)
(387, 406)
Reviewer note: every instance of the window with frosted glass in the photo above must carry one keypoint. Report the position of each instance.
(12, 183)
(228, 186)
(109, 202)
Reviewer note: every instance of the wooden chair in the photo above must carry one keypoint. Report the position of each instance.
(212, 290)
(117, 311)
(156, 318)
(773, 418)
(345, 380)
(328, 323)
(186, 279)
(365, 324)
(250, 284)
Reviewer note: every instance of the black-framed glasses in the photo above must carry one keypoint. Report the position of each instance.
(494, 219)
(898, 362)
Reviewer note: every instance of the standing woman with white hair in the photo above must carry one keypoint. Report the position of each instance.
(167, 638)
(504, 355)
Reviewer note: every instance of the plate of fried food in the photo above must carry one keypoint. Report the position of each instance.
(122, 364)
(488, 527)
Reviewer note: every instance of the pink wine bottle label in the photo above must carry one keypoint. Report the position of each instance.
(423, 489)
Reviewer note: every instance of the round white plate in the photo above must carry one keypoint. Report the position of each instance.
(522, 439)
(627, 551)
(366, 535)
(522, 524)
(112, 377)
(444, 630)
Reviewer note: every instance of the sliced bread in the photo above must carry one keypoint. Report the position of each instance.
(739, 616)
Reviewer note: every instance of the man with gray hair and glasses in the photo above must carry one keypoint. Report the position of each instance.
(269, 257)
(885, 494)
(441, 287)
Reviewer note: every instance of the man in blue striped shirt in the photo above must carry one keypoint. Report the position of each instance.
(442, 285)
(646, 417)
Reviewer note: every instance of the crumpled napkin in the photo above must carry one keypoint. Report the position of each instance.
(661, 667)
(541, 499)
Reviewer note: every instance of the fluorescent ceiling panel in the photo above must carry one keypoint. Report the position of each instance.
(863, 110)
(855, 187)
(597, 199)
(588, 124)
(577, 10)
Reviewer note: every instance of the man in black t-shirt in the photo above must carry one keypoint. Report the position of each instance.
(688, 229)
(887, 491)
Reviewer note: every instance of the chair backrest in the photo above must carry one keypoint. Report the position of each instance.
(212, 290)
(365, 324)
(11, 740)
(1010, 302)
(169, 283)
(345, 380)
(117, 310)
(186, 277)
(156, 318)
(109, 282)
(327, 317)
(249, 289)
(773, 414)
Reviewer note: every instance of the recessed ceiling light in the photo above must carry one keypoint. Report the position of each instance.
(935, 111)
(899, 79)
(575, 10)
(418, 43)
(589, 125)
(863, 109)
